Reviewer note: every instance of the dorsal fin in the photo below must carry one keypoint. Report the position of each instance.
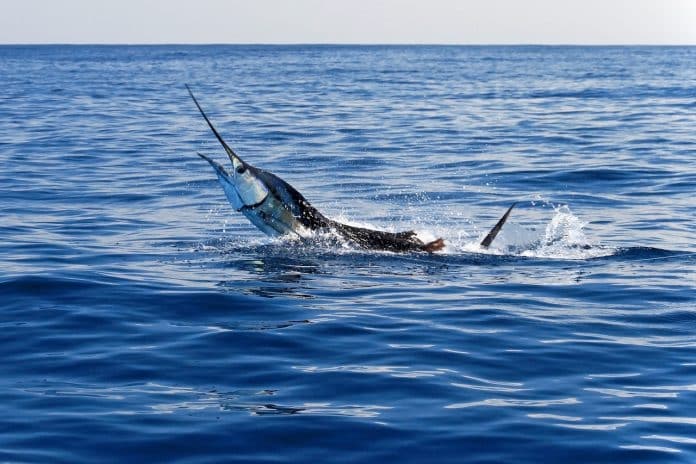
(496, 228)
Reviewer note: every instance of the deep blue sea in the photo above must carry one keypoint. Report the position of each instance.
(144, 320)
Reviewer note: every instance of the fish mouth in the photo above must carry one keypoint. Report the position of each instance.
(219, 169)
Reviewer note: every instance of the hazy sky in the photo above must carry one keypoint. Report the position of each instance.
(349, 21)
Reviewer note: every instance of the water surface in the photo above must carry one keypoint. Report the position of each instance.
(144, 320)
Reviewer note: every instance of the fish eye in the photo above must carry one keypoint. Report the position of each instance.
(241, 169)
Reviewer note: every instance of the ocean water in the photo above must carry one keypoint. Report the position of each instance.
(144, 320)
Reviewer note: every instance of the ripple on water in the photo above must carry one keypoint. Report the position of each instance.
(142, 317)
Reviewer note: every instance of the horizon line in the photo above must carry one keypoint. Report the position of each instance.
(348, 44)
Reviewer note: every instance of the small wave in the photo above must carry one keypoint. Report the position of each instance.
(641, 253)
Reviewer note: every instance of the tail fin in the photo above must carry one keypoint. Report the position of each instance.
(496, 228)
(435, 245)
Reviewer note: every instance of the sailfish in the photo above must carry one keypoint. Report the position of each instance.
(277, 208)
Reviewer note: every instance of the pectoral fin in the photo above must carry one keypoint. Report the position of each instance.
(435, 245)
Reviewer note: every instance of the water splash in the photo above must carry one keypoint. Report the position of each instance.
(562, 237)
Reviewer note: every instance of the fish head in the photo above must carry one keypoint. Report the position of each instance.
(242, 187)
(250, 188)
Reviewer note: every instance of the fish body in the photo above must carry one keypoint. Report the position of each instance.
(277, 208)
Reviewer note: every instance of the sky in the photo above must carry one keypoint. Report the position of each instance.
(589, 22)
